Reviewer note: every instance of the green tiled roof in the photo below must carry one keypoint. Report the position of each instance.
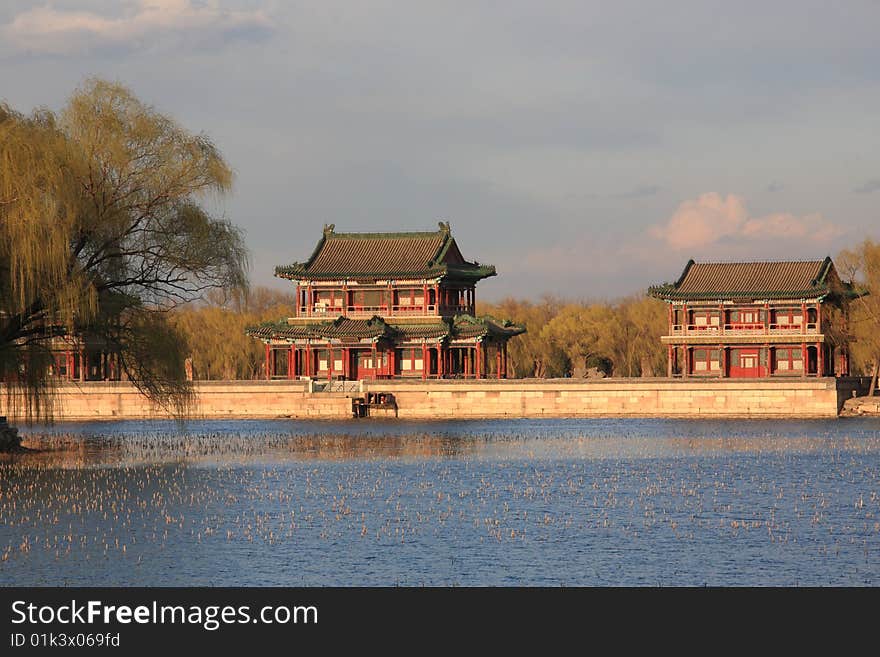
(463, 326)
(753, 280)
(468, 326)
(372, 256)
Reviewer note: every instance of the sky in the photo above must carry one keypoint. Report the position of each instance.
(587, 149)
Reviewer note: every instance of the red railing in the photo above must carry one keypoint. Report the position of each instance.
(417, 309)
(745, 329)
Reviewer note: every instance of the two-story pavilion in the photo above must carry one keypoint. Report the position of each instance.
(383, 305)
(757, 319)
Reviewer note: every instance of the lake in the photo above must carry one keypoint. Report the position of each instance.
(501, 502)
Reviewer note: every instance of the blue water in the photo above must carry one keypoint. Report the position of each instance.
(507, 502)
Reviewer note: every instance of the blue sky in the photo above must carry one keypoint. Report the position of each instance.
(584, 148)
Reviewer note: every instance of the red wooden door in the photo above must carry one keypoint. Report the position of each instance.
(745, 363)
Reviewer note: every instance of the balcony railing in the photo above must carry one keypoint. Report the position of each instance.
(745, 329)
(399, 310)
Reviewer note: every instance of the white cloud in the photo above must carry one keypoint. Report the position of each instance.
(47, 30)
(713, 218)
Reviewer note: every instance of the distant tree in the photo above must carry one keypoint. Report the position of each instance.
(861, 267)
(583, 333)
(214, 332)
(529, 354)
(642, 322)
(102, 229)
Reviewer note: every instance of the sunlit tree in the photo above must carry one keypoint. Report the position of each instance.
(861, 267)
(103, 228)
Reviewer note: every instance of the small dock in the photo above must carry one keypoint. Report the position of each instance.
(374, 403)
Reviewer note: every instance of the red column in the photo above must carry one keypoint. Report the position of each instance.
(820, 358)
(767, 326)
(290, 362)
(392, 366)
(803, 318)
(498, 363)
(478, 360)
(424, 358)
(441, 366)
(307, 370)
(268, 368)
(467, 361)
(669, 357)
(309, 300)
(330, 361)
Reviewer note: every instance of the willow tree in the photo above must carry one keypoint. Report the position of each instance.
(861, 267)
(104, 229)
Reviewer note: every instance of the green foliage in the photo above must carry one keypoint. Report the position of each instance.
(102, 231)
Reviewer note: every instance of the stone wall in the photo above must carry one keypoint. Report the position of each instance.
(615, 397)
(478, 399)
(111, 400)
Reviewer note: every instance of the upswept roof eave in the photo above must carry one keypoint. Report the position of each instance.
(673, 295)
(432, 267)
(476, 272)
(750, 279)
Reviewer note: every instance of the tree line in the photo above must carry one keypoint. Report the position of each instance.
(564, 338)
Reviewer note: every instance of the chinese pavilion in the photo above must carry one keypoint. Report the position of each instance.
(757, 319)
(383, 305)
(82, 357)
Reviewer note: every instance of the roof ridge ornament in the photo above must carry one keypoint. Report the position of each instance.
(328, 229)
(444, 227)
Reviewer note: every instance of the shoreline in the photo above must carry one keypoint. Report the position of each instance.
(483, 399)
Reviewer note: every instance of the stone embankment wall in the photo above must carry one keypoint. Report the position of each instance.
(479, 399)
(610, 397)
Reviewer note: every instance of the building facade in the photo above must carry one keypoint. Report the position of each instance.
(386, 305)
(83, 357)
(757, 319)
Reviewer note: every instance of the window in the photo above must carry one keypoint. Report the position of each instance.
(705, 318)
(785, 317)
(329, 298)
(706, 361)
(368, 298)
(788, 359)
(410, 297)
(409, 360)
(745, 316)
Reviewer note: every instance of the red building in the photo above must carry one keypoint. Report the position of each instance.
(82, 357)
(382, 305)
(757, 319)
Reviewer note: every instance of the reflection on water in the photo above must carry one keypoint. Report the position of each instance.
(496, 502)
